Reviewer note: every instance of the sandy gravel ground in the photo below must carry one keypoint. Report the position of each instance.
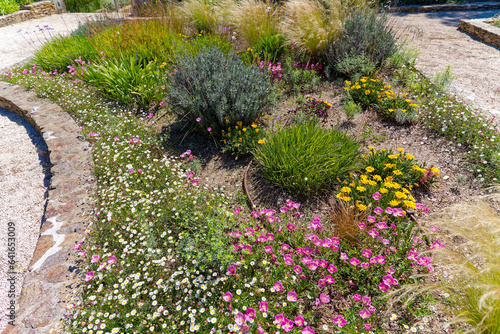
(476, 65)
(19, 41)
(23, 156)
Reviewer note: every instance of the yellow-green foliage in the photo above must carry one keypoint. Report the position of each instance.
(312, 24)
(472, 261)
(252, 18)
(149, 40)
(201, 15)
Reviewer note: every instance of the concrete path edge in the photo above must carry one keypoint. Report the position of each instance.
(51, 276)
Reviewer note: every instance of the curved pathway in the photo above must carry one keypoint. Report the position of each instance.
(23, 184)
(475, 64)
(23, 157)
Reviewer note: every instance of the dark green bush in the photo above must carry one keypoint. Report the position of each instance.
(365, 33)
(82, 6)
(24, 2)
(218, 90)
(356, 66)
(306, 158)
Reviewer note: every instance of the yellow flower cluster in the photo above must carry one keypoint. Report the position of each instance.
(361, 190)
(241, 137)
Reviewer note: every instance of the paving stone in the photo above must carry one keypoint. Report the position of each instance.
(47, 283)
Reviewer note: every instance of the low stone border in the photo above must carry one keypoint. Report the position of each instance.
(49, 281)
(444, 7)
(482, 29)
(32, 11)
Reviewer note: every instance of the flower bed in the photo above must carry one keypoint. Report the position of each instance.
(166, 253)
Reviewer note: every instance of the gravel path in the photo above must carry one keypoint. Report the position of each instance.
(23, 157)
(22, 179)
(476, 65)
(19, 41)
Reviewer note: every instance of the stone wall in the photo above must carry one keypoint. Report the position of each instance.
(445, 7)
(32, 11)
(481, 29)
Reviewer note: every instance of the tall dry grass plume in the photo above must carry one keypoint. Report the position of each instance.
(469, 264)
(201, 15)
(312, 24)
(252, 18)
(169, 12)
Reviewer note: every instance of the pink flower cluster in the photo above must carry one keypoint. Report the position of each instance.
(274, 70)
(103, 265)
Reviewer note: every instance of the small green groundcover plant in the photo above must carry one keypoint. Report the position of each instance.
(218, 89)
(306, 158)
(241, 140)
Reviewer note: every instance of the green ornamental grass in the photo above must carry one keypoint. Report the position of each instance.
(306, 158)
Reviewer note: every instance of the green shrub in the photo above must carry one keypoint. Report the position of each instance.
(306, 158)
(355, 66)
(127, 82)
(61, 52)
(269, 47)
(8, 7)
(82, 6)
(298, 77)
(218, 90)
(24, 2)
(365, 33)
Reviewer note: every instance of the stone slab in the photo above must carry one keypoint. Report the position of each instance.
(481, 29)
(51, 275)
